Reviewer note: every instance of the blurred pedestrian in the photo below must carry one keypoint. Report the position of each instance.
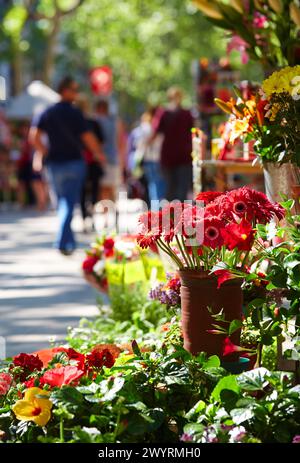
(111, 131)
(175, 125)
(148, 156)
(94, 170)
(28, 179)
(67, 133)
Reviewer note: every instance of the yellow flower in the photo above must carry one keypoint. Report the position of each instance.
(33, 408)
(239, 128)
(280, 81)
(209, 9)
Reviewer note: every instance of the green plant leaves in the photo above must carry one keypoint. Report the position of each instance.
(110, 389)
(226, 383)
(175, 373)
(254, 380)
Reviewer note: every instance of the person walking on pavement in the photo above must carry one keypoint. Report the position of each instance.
(67, 133)
(175, 125)
(111, 131)
(94, 171)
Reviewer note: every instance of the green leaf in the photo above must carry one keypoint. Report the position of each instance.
(110, 388)
(69, 397)
(14, 20)
(254, 380)
(240, 415)
(193, 429)
(228, 382)
(196, 410)
(212, 362)
(234, 326)
(175, 373)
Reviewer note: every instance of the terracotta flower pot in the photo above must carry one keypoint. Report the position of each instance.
(198, 292)
(94, 282)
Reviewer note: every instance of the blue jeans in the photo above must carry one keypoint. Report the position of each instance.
(66, 179)
(179, 181)
(156, 184)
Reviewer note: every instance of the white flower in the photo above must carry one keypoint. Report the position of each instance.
(237, 434)
(99, 267)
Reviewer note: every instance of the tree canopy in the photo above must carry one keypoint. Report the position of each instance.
(150, 45)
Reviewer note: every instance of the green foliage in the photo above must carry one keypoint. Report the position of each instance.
(149, 45)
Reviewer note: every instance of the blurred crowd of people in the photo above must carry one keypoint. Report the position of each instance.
(75, 152)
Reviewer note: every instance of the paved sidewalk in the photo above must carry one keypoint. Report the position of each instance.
(41, 291)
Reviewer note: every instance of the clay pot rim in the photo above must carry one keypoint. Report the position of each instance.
(205, 275)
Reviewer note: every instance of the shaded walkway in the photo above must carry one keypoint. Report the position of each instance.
(41, 291)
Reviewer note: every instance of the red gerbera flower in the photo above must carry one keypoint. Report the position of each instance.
(251, 205)
(148, 221)
(108, 246)
(239, 235)
(147, 239)
(208, 196)
(172, 219)
(191, 224)
(88, 263)
(214, 208)
(149, 229)
(212, 236)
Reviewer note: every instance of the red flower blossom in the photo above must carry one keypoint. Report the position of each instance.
(191, 224)
(239, 235)
(88, 263)
(147, 239)
(230, 348)
(28, 362)
(172, 219)
(98, 359)
(212, 227)
(33, 382)
(149, 229)
(208, 196)
(5, 383)
(174, 284)
(251, 205)
(108, 246)
(112, 348)
(57, 377)
(223, 275)
(150, 220)
(77, 356)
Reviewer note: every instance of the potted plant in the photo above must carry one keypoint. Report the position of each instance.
(265, 31)
(213, 244)
(270, 117)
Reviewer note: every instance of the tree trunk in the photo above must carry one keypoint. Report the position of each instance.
(16, 67)
(50, 52)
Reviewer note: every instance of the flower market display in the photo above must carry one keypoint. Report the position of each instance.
(263, 30)
(133, 381)
(216, 246)
(269, 118)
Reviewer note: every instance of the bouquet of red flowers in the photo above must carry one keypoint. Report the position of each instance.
(217, 233)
